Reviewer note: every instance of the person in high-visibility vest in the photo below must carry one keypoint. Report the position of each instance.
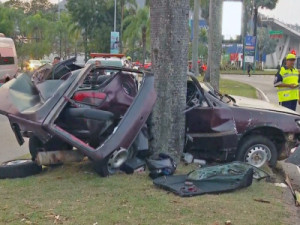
(287, 83)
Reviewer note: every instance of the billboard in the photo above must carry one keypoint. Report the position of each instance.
(114, 42)
(250, 43)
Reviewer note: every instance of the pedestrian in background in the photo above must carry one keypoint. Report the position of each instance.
(287, 83)
(249, 69)
(56, 60)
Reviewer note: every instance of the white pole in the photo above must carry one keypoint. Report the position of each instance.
(115, 17)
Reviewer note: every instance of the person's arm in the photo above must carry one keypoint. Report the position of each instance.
(278, 82)
(287, 85)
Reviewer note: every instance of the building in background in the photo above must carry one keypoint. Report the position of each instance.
(288, 39)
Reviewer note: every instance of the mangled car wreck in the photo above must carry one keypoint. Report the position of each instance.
(101, 112)
(99, 115)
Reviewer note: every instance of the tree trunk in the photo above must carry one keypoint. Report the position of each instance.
(255, 33)
(121, 29)
(245, 22)
(214, 43)
(169, 43)
(144, 30)
(85, 45)
(195, 45)
(60, 44)
(255, 20)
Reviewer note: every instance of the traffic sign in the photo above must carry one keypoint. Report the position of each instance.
(276, 32)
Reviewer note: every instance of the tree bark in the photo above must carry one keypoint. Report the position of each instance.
(195, 45)
(85, 45)
(169, 45)
(214, 43)
(121, 29)
(144, 29)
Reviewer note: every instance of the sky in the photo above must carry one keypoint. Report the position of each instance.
(231, 19)
(287, 11)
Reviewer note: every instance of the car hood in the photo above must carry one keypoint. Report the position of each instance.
(260, 104)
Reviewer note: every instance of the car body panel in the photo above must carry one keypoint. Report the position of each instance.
(33, 110)
(260, 104)
(215, 129)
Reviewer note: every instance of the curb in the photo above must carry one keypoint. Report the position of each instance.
(261, 94)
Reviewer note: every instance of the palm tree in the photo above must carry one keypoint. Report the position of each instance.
(132, 4)
(204, 12)
(137, 29)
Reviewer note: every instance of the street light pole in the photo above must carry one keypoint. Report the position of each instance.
(115, 16)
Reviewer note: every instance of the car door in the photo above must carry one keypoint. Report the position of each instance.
(210, 127)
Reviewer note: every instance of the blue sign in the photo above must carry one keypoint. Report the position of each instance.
(250, 43)
(114, 42)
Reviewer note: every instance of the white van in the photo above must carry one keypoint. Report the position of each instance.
(8, 59)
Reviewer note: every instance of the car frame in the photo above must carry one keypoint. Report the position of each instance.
(37, 105)
(225, 128)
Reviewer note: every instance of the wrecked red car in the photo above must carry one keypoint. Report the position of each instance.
(101, 113)
(223, 127)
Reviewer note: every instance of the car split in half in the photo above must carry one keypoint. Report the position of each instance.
(68, 112)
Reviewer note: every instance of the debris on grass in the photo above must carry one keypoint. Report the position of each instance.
(283, 185)
(261, 200)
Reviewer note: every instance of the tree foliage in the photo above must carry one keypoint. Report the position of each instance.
(265, 44)
(137, 32)
(6, 21)
(38, 29)
(96, 21)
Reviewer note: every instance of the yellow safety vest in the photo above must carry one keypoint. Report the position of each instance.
(289, 76)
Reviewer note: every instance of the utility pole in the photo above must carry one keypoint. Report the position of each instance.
(115, 16)
(245, 20)
(214, 43)
(255, 32)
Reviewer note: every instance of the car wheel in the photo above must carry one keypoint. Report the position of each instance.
(111, 164)
(257, 150)
(19, 168)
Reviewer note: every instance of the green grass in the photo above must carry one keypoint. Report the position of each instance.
(257, 72)
(237, 88)
(74, 194)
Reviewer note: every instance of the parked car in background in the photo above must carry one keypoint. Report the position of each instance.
(8, 59)
(107, 59)
(32, 64)
(45, 61)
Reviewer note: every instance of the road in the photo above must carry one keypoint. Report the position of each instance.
(261, 82)
(10, 148)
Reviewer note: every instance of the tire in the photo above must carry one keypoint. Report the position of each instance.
(19, 168)
(101, 167)
(257, 150)
(111, 164)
